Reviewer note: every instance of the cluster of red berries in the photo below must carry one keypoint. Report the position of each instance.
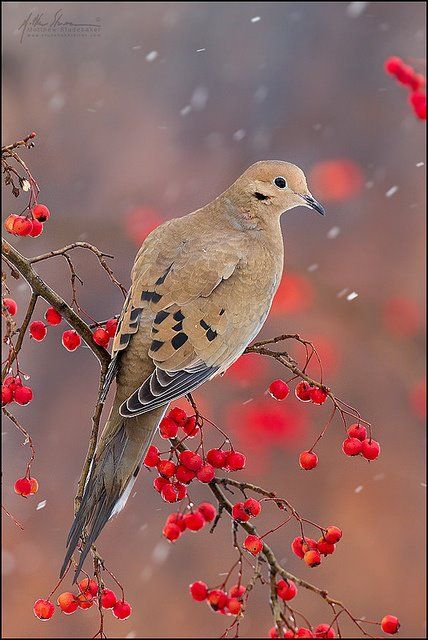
(389, 624)
(103, 336)
(193, 520)
(174, 477)
(310, 551)
(26, 486)
(304, 391)
(13, 390)
(228, 603)
(10, 305)
(415, 82)
(357, 443)
(28, 226)
(320, 631)
(89, 594)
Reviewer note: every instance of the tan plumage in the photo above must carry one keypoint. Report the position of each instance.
(202, 286)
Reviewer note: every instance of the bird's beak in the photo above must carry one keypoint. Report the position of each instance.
(312, 203)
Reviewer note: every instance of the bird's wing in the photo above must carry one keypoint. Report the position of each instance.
(180, 281)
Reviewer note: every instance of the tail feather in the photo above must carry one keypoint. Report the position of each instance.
(116, 465)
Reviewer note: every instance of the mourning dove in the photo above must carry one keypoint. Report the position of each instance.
(202, 286)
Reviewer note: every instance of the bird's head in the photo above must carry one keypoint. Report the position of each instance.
(271, 187)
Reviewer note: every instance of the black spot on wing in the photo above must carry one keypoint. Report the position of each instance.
(179, 340)
(221, 312)
(151, 296)
(178, 326)
(160, 316)
(178, 316)
(156, 345)
(204, 325)
(211, 334)
(161, 280)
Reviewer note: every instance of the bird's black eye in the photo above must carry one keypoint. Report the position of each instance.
(280, 182)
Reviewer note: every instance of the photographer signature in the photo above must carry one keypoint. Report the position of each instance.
(39, 20)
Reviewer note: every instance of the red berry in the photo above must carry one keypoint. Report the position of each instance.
(234, 606)
(279, 389)
(36, 229)
(371, 448)
(252, 506)
(317, 395)
(194, 521)
(273, 633)
(190, 428)
(178, 519)
(111, 326)
(85, 600)
(88, 586)
(324, 631)
(308, 460)
(67, 602)
(333, 534)
(357, 431)
(9, 222)
(168, 428)
(235, 461)
(217, 458)
(324, 547)
(169, 493)
(312, 558)
(52, 316)
(393, 64)
(34, 486)
(297, 547)
(302, 632)
(13, 383)
(160, 482)
(309, 544)
(6, 394)
(108, 599)
(352, 446)
(23, 487)
(181, 490)
(22, 226)
(237, 591)
(166, 468)
(43, 609)
(183, 474)
(302, 391)
(178, 415)
(239, 512)
(208, 511)
(40, 212)
(390, 624)
(10, 305)
(191, 460)
(122, 610)
(198, 591)
(418, 101)
(152, 456)
(253, 544)
(289, 634)
(71, 340)
(217, 599)
(171, 532)
(206, 473)
(101, 337)
(38, 330)
(286, 589)
(23, 395)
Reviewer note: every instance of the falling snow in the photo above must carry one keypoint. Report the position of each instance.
(41, 505)
(333, 233)
(355, 9)
(391, 191)
(255, 19)
(239, 135)
(359, 488)
(352, 296)
(151, 56)
(313, 267)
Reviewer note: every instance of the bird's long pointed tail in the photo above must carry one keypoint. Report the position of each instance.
(117, 461)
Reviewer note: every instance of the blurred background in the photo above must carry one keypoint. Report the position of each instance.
(147, 119)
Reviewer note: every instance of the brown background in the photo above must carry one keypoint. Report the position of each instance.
(115, 155)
